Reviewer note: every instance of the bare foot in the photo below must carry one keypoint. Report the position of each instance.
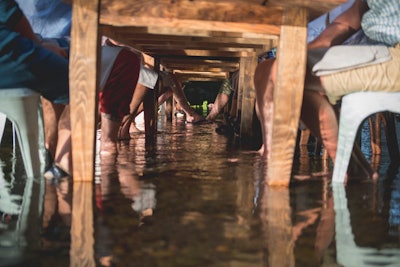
(194, 118)
(261, 150)
(133, 130)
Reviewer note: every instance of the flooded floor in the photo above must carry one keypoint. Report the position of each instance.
(196, 198)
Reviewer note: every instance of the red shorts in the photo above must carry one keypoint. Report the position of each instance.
(118, 90)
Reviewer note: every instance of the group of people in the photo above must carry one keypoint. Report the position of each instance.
(34, 51)
(370, 23)
(34, 45)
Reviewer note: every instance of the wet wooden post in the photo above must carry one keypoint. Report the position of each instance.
(248, 95)
(277, 224)
(150, 105)
(83, 77)
(82, 232)
(288, 95)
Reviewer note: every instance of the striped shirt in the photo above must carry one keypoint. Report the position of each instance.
(382, 21)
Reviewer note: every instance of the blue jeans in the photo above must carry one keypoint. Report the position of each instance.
(27, 64)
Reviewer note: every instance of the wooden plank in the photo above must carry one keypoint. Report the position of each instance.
(192, 75)
(193, 15)
(149, 34)
(201, 53)
(179, 13)
(315, 8)
(196, 70)
(200, 63)
(231, 45)
(83, 86)
(160, 45)
(201, 77)
(288, 96)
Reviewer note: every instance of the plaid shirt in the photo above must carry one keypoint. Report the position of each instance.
(382, 22)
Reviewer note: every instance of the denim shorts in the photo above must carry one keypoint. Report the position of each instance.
(28, 64)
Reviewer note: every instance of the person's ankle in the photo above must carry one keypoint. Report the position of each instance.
(108, 147)
(109, 128)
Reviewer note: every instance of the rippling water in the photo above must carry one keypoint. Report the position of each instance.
(196, 198)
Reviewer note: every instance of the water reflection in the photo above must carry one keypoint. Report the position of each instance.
(197, 199)
(57, 215)
(18, 211)
(82, 234)
(348, 252)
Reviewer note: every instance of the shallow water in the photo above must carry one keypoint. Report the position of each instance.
(197, 198)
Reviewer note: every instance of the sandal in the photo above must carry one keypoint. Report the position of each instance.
(56, 173)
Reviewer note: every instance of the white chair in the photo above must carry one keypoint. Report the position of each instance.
(3, 119)
(22, 106)
(355, 108)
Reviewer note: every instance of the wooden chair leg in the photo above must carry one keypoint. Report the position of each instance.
(375, 133)
(304, 137)
(388, 119)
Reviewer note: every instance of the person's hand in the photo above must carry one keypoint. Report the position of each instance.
(55, 48)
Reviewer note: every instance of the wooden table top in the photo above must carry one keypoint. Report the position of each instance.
(202, 38)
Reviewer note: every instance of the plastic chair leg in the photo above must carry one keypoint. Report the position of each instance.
(3, 118)
(355, 108)
(23, 107)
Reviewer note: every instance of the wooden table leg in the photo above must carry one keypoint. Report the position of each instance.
(248, 96)
(83, 76)
(288, 95)
(150, 106)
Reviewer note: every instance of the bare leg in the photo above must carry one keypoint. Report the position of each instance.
(264, 81)
(180, 97)
(128, 127)
(109, 133)
(220, 102)
(63, 151)
(318, 114)
(232, 111)
(51, 115)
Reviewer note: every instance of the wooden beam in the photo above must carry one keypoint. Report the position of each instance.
(150, 32)
(200, 53)
(83, 78)
(200, 62)
(315, 8)
(188, 16)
